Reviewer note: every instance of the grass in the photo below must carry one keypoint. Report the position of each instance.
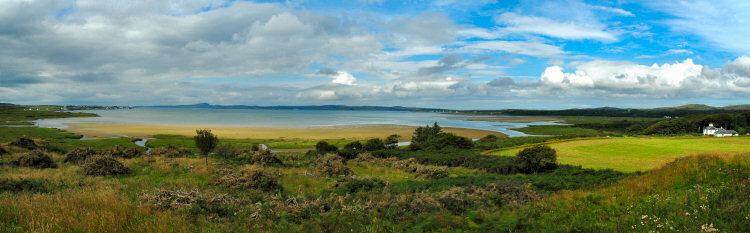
(561, 130)
(61, 141)
(637, 154)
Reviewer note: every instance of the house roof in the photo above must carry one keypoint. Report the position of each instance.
(711, 128)
(724, 131)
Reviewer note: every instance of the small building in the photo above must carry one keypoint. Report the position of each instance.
(710, 129)
(725, 133)
(718, 132)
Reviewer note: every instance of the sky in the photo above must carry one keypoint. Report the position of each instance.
(483, 54)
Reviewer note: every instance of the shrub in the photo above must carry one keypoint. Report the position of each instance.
(4, 151)
(354, 146)
(118, 152)
(252, 178)
(391, 142)
(265, 157)
(454, 200)
(509, 193)
(25, 185)
(228, 151)
(255, 147)
(431, 172)
(536, 159)
(374, 144)
(348, 154)
(195, 202)
(25, 142)
(171, 152)
(406, 165)
(79, 155)
(35, 159)
(332, 165)
(354, 185)
(132, 152)
(322, 147)
(104, 165)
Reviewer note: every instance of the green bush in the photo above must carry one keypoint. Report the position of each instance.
(322, 148)
(354, 185)
(348, 154)
(354, 146)
(36, 159)
(171, 152)
(536, 159)
(24, 142)
(104, 165)
(265, 157)
(228, 151)
(374, 144)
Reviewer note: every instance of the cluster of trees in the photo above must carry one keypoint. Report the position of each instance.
(433, 138)
(739, 122)
(352, 149)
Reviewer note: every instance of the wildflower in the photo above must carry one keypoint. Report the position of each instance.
(687, 213)
(644, 217)
(708, 228)
(659, 226)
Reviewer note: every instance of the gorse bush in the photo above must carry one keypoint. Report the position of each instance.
(79, 155)
(536, 159)
(195, 202)
(4, 151)
(431, 172)
(407, 165)
(36, 159)
(25, 143)
(228, 151)
(104, 165)
(128, 153)
(171, 152)
(265, 157)
(332, 165)
(250, 178)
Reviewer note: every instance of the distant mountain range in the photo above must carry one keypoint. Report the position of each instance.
(315, 107)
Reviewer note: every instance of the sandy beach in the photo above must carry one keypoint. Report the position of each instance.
(358, 132)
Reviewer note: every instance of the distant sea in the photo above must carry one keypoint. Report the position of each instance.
(281, 118)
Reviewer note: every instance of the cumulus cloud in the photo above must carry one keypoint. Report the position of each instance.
(625, 79)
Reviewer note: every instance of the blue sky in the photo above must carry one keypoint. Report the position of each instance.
(451, 54)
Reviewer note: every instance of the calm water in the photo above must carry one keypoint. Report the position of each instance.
(280, 118)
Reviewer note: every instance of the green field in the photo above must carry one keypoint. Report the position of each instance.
(637, 154)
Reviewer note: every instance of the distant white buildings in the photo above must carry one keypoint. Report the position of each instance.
(718, 132)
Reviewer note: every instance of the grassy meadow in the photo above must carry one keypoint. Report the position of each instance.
(630, 154)
(685, 184)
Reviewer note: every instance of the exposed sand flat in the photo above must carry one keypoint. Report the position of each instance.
(501, 118)
(359, 132)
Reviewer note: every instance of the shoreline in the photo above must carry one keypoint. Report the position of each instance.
(350, 132)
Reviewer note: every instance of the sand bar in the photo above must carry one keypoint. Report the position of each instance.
(358, 132)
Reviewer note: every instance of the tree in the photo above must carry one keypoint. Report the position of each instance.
(205, 141)
(391, 142)
(322, 147)
(353, 146)
(374, 144)
(536, 159)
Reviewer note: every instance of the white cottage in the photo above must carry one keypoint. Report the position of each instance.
(718, 132)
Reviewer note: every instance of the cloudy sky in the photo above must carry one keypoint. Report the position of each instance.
(466, 54)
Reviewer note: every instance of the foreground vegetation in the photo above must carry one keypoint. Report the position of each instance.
(51, 181)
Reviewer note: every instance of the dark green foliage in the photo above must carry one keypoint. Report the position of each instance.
(670, 127)
(432, 138)
(4, 151)
(457, 158)
(36, 159)
(536, 159)
(431, 172)
(322, 148)
(424, 134)
(354, 185)
(25, 185)
(391, 142)
(255, 147)
(348, 154)
(24, 142)
(79, 155)
(104, 165)
(205, 141)
(498, 143)
(374, 144)
(118, 152)
(354, 146)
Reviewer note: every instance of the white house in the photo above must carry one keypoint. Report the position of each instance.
(718, 132)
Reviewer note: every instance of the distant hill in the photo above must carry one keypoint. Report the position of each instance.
(315, 107)
(703, 107)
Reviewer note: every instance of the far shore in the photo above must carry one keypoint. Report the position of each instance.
(350, 132)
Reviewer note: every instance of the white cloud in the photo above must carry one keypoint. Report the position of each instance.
(515, 23)
(518, 47)
(625, 79)
(344, 78)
